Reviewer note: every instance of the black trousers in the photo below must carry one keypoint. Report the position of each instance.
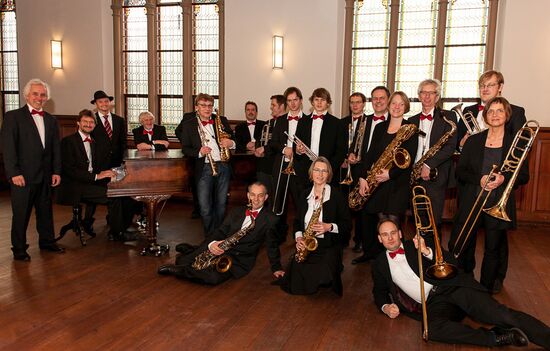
(208, 276)
(23, 199)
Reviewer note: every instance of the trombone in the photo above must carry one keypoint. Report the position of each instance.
(288, 171)
(469, 120)
(512, 163)
(349, 179)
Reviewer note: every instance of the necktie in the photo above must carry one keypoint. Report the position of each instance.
(150, 132)
(251, 123)
(108, 128)
(399, 251)
(87, 140)
(34, 112)
(480, 107)
(317, 116)
(205, 123)
(293, 118)
(428, 117)
(252, 213)
(378, 118)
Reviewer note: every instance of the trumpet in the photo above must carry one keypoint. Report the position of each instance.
(308, 152)
(266, 134)
(512, 163)
(469, 120)
(204, 142)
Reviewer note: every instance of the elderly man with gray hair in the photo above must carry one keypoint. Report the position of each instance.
(150, 136)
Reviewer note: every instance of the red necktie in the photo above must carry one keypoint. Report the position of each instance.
(378, 118)
(251, 123)
(293, 118)
(428, 117)
(108, 128)
(317, 116)
(34, 112)
(205, 123)
(87, 140)
(399, 251)
(252, 213)
(150, 132)
(480, 107)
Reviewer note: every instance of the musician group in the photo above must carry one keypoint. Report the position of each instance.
(362, 173)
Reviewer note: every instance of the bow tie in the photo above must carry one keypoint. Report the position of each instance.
(293, 118)
(480, 107)
(252, 213)
(317, 116)
(34, 112)
(378, 118)
(87, 140)
(356, 117)
(428, 117)
(150, 132)
(251, 123)
(205, 123)
(399, 251)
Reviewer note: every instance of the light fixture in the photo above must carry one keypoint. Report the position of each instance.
(57, 56)
(277, 51)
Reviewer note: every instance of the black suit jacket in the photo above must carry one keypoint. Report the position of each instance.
(278, 143)
(159, 133)
(242, 135)
(442, 160)
(110, 152)
(22, 148)
(187, 116)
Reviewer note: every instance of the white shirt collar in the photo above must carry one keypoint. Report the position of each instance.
(326, 197)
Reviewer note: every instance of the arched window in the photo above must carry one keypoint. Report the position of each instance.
(9, 75)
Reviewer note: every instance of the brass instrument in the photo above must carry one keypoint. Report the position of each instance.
(417, 168)
(266, 134)
(349, 179)
(225, 153)
(204, 142)
(393, 154)
(289, 170)
(469, 120)
(310, 240)
(308, 152)
(512, 163)
(222, 262)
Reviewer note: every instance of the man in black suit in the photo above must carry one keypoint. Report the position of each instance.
(243, 253)
(196, 213)
(32, 161)
(431, 122)
(490, 84)
(206, 149)
(396, 290)
(150, 136)
(249, 131)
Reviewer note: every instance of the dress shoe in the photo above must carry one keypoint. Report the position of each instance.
(497, 287)
(52, 248)
(21, 256)
(169, 269)
(357, 248)
(361, 259)
(512, 336)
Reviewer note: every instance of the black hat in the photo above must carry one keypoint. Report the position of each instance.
(100, 94)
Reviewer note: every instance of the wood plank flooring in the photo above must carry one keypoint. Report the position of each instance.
(106, 297)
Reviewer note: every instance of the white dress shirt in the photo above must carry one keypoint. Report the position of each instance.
(39, 122)
(88, 149)
(404, 277)
(425, 125)
(316, 126)
(374, 124)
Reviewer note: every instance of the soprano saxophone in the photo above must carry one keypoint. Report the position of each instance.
(309, 235)
(417, 168)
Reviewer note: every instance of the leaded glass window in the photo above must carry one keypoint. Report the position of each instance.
(9, 75)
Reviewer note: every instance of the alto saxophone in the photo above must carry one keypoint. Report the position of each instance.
(225, 153)
(417, 168)
(393, 154)
(310, 240)
(222, 262)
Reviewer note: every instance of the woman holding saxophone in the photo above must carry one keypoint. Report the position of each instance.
(321, 217)
(481, 151)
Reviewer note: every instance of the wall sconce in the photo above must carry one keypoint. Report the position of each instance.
(277, 51)
(57, 56)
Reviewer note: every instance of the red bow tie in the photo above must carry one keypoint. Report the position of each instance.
(205, 123)
(34, 112)
(317, 116)
(293, 118)
(87, 140)
(378, 118)
(356, 117)
(428, 117)
(252, 213)
(480, 108)
(150, 132)
(399, 251)
(251, 123)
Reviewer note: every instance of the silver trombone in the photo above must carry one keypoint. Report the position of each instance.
(469, 120)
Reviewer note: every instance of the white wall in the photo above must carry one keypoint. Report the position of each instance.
(523, 55)
(86, 29)
(313, 37)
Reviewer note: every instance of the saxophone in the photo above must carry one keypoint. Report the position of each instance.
(393, 154)
(223, 262)
(225, 154)
(417, 168)
(309, 235)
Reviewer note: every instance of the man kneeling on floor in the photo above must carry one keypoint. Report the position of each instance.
(231, 250)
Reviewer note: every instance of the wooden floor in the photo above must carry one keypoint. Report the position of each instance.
(106, 297)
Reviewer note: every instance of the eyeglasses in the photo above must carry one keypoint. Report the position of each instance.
(388, 234)
(494, 112)
(424, 93)
(205, 105)
(320, 170)
(487, 86)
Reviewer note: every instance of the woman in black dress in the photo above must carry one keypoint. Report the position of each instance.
(323, 266)
(481, 151)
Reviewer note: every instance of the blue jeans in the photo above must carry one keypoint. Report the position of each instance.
(212, 195)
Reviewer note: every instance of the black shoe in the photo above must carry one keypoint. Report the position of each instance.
(168, 269)
(361, 259)
(21, 256)
(357, 248)
(195, 215)
(88, 225)
(52, 248)
(512, 336)
(497, 287)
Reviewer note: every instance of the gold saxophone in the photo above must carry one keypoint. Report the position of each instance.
(393, 154)
(222, 262)
(309, 235)
(417, 168)
(225, 153)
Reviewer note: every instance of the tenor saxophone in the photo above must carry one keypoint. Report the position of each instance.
(310, 240)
